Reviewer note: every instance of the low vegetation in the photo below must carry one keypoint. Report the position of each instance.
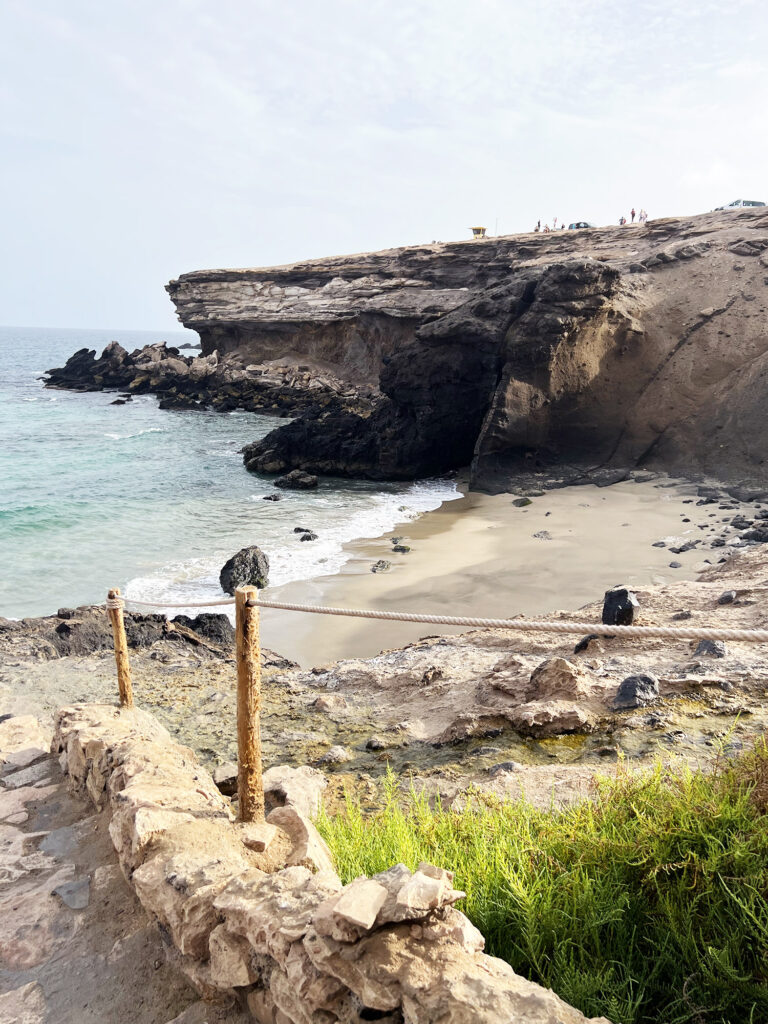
(647, 904)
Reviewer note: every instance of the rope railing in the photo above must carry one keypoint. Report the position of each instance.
(247, 603)
(519, 623)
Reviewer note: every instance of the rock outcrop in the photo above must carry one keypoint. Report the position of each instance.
(578, 353)
(199, 382)
(257, 912)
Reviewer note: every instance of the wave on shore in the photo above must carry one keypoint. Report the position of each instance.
(376, 513)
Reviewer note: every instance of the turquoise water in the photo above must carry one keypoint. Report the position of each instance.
(154, 501)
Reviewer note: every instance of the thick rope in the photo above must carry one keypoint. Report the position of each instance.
(525, 625)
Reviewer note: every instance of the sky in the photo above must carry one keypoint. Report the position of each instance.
(140, 139)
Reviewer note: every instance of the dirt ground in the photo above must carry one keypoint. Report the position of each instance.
(76, 947)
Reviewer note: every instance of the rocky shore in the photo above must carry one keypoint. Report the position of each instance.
(200, 382)
(506, 712)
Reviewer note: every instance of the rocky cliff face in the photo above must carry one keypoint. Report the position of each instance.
(588, 351)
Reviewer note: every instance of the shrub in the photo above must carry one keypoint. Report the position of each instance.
(644, 904)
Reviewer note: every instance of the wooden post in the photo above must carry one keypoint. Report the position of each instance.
(250, 787)
(121, 651)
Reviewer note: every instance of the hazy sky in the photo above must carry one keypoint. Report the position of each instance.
(143, 138)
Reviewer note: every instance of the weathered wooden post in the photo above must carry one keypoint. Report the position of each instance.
(115, 612)
(250, 787)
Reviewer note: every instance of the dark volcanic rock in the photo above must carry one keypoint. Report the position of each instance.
(714, 648)
(86, 630)
(249, 567)
(619, 607)
(213, 627)
(297, 480)
(636, 691)
(382, 565)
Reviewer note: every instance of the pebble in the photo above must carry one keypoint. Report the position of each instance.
(504, 766)
(727, 597)
(675, 565)
(336, 755)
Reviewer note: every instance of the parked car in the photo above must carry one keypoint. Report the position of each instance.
(580, 224)
(738, 204)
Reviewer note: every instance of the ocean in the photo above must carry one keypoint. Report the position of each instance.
(94, 495)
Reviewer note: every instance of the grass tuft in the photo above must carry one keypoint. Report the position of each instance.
(646, 904)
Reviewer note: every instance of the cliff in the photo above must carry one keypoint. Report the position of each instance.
(574, 352)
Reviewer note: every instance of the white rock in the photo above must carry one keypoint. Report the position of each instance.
(301, 788)
(308, 848)
(23, 1005)
(360, 902)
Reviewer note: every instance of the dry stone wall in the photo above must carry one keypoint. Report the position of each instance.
(257, 913)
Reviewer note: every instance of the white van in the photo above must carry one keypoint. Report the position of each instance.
(738, 204)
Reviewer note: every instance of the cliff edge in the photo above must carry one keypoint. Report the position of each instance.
(573, 353)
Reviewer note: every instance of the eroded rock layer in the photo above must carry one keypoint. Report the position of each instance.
(584, 350)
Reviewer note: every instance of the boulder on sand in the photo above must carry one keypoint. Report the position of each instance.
(249, 567)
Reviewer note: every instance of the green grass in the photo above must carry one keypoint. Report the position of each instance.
(647, 904)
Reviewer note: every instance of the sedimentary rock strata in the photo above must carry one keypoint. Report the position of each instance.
(583, 350)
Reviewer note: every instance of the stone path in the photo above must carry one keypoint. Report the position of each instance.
(76, 947)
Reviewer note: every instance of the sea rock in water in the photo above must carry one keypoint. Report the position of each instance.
(619, 606)
(249, 567)
(637, 691)
(297, 480)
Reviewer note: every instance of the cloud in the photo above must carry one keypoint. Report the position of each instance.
(192, 133)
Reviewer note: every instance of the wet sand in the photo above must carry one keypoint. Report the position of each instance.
(480, 555)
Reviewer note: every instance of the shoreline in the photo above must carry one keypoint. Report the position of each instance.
(481, 555)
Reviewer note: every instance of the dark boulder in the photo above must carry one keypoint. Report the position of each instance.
(216, 628)
(382, 565)
(619, 606)
(308, 536)
(636, 691)
(249, 567)
(714, 648)
(297, 480)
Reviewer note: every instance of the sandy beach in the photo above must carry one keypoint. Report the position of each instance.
(481, 555)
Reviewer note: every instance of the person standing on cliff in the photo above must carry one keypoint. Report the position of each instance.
(632, 214)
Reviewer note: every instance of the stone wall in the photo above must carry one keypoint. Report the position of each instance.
(257, 913)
